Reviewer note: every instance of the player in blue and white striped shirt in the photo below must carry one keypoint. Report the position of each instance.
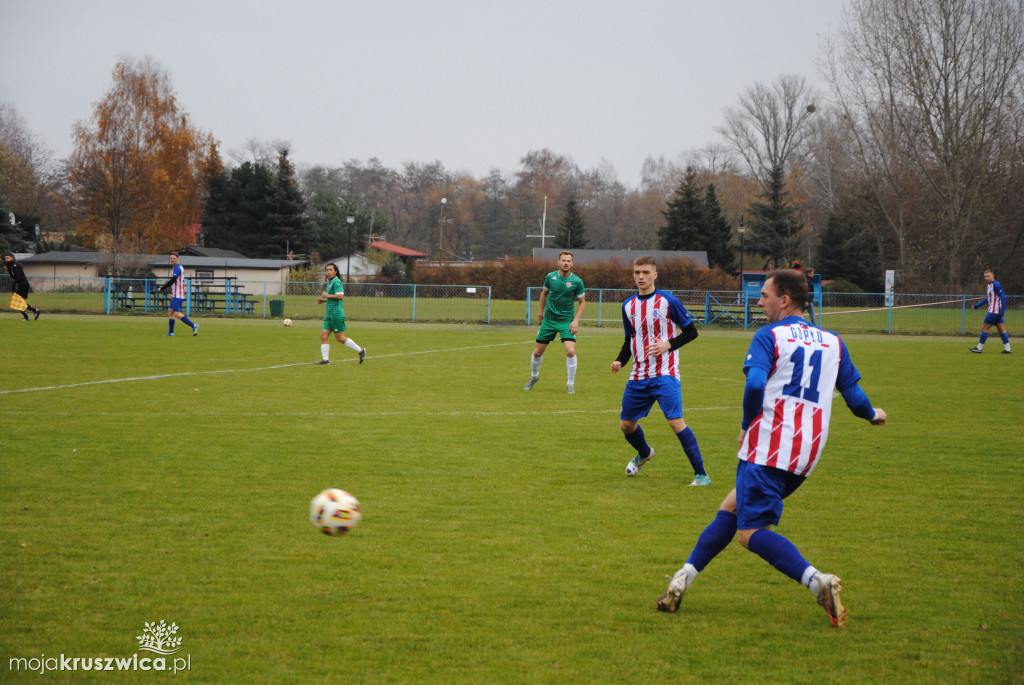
(657, 325)
(178, 294)
(995, 300)
(792, 369)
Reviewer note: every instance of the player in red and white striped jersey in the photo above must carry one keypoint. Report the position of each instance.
(657, 325)
(179, 292)
(792, 369)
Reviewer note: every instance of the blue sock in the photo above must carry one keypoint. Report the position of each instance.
(170, 325)
(713, 540)
(188, 323)
(779, 552)
(689, 442)
(1005, 337)
(982, 338)
(636, 439)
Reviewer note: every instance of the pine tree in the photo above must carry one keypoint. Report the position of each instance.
(12, 237)
(572, 232)
(774, 224)
(684, 216)
(288, 208)
(717, 233)
(256, 211)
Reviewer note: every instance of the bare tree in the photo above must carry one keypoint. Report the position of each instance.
(933, 92)
(30, 178)
(769, 126)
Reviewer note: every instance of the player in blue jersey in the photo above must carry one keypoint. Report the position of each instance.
(178, 293)
(792, 369)
(995, 299)
(657, 325)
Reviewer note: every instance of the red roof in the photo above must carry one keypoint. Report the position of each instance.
(396, 249)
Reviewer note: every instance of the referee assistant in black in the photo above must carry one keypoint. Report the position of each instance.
(20, 283)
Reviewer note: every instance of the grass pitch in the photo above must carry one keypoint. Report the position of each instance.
(146, 478)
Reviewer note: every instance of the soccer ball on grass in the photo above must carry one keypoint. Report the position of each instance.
(287, 322)
(335, 512)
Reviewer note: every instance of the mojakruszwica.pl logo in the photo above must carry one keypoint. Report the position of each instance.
(157, 638)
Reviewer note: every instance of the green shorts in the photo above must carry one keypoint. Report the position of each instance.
(335, 324)
(549, 329)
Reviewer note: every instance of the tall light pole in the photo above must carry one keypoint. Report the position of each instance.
(440, 230)
(741, 229)
(348, 246)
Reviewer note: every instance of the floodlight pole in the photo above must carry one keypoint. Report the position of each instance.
(440, 230)
(741, 230)
(348, 246)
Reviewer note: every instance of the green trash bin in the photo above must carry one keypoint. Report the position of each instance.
(277, 308)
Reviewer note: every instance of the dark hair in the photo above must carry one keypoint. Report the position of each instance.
(790, 282)
(174, 254)
(337, 273)
(643, 261)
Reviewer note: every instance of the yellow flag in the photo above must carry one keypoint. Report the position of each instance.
(18, 302)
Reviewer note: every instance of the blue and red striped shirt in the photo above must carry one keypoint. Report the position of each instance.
(647, 320)
(803, 364)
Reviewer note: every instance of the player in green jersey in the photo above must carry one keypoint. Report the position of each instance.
(562, 290)
(334, 317)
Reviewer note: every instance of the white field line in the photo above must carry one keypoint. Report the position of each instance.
(133, 379)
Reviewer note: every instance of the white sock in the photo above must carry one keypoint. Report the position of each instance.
(570, 369)
(691, 571)
(535, 365)
(351, 344)
(325, 350)
(810, 579)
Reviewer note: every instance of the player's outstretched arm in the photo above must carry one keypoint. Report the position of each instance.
(860, 405)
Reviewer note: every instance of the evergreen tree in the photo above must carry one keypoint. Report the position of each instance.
(12, 236)
(717, 233)
(238, 211)
(774, 224)
(572, 232)
(256, 211)
(855, 244)
(292, 234)
(684, 216)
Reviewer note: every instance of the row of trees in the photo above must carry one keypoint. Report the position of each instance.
(913, 160)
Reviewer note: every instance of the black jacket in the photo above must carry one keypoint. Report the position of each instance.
(20, 281)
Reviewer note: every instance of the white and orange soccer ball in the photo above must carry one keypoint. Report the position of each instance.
(335, 512)
(287, 322)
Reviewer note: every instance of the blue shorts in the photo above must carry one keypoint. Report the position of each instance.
(640, 396)
(993, 319)
(175, 305)
(759, 494)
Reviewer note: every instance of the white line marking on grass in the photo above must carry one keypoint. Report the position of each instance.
(377, 414)
(286, 366)
(257, 368)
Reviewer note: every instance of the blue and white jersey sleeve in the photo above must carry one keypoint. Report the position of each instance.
(677, 312)
(1000, 298)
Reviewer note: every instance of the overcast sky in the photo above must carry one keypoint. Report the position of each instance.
(474, 84)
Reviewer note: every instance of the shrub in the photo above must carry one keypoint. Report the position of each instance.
(510, 279)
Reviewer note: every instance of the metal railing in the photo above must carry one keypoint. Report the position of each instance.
(229, 297)
(903, 313)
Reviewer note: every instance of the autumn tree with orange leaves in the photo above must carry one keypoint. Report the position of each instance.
(138, 167)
